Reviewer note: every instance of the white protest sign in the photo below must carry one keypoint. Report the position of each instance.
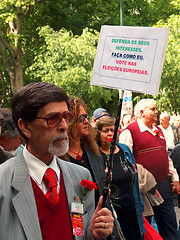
(130, 58)
(127, 106)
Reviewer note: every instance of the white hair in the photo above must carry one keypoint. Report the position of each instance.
(141, 105)
(165, 114)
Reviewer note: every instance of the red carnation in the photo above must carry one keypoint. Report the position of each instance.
(88, 186)
(157, 133)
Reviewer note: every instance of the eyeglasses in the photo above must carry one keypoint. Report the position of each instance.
(54, 120)
(82, 117)
(107, 130)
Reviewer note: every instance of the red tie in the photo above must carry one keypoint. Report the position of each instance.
(50, 179)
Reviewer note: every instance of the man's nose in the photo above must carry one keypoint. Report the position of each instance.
(63, 125)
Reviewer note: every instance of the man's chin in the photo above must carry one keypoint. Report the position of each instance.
(59, 149)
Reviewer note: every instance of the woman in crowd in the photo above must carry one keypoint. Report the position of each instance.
(83, 149)
(125, 192)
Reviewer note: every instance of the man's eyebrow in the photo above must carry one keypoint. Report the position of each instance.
(51, 113)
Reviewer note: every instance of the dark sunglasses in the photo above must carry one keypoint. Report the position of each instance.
(82, 117)
(54, 120)
(107, 130)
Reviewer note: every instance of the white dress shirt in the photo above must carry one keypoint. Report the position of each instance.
(37, 169)
(169, 136)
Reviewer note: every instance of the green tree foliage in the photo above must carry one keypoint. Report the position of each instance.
(168, 97)
(12, 40)
(67, 60)
(169, 92)
(162, 10)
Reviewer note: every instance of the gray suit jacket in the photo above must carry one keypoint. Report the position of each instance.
(176, 133)
(18, 212)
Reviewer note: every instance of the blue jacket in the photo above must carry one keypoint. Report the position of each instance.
(137, 196)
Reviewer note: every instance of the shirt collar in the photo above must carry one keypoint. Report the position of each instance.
(144, 128)
(169, 127)
(37, 168)
(1, 147)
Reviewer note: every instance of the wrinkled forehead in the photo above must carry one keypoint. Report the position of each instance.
(53, 107)
(108, 126)
(151, 105)
(163, 117)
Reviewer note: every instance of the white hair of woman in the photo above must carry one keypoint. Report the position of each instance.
(141, 105)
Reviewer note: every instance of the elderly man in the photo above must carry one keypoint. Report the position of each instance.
(10, 138)
(98, 114)
(41, 196)
(171, 133)
(4, 155)
(147, 142)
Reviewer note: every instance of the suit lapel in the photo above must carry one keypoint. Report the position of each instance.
(24, 201)
(68, 183)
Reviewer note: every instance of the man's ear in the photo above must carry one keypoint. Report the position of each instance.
(142, 113)
(24, 127)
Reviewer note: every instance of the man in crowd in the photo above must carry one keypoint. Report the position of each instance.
(175, 156)
(41, 195)
(4, 155)
(98, 114)
(177, 121)
(171, 133)
(126, 120)
(147, 142)
(10, 138)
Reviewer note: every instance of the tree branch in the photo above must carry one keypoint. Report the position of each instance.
(5, 61)
(5, 43)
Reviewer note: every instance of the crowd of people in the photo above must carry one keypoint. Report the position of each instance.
(49, 146)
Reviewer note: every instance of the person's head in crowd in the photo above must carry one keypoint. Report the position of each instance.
(8, 126)
(177, 121)
(4, 155)
(127, 119)
(146, 110)
(164, 119)
(104, 131)
(81, 130)
(40, 112)
(10, 138)
(6, 112)
(99, 113)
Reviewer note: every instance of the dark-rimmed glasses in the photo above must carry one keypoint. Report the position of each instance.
(82, 117)
(54, 119)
